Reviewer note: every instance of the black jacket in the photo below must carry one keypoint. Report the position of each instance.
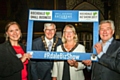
(105, 68)
(41, 69)
(10, 64)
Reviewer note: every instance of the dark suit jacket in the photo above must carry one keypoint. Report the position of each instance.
(105, 68)
(41, 69)
(10, 64)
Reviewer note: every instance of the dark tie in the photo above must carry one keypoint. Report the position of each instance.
(66, 72)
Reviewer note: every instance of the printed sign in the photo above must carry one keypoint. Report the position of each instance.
(40, 15)
(65, 16)
(62, 55)
(88, 16)
(62, 16)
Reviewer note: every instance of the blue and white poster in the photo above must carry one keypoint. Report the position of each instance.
(62, 16)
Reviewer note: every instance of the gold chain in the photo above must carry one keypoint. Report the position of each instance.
(53, 46)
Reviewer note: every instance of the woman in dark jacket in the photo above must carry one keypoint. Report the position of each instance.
(13, 60)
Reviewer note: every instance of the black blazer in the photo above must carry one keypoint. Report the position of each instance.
(105, 68)
(10, 64)
(41, 69)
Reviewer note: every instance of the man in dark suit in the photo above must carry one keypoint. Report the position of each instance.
(106, 67)
(41, 69)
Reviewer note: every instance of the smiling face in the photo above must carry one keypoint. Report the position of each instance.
(13, 32)
(50, 31)
(69, 34)
(106, 31)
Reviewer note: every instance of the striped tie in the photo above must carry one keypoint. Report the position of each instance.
(49, 45)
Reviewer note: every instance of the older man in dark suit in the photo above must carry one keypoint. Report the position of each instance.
(41, 69)
(106, 48)
(107, 66)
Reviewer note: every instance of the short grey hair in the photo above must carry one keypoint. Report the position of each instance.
(49, 24)
(108, 21)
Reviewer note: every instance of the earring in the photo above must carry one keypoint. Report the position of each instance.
(20, 37)
(7, 37)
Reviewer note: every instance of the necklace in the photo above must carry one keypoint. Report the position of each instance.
(63, 48)
(69, 46)
(45, 44)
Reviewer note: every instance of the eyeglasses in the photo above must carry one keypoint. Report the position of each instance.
(49, 30)
(66, 32)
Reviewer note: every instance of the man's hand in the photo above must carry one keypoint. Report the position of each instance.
(98, 47)
(87, 62)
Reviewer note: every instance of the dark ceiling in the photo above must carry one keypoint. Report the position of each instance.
(17, 10)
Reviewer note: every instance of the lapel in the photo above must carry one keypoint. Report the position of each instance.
(10, 49)
(111, 47)
(43, 45)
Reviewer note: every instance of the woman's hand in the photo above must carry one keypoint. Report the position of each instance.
(73, 63)
(25, 57)
(54, 78)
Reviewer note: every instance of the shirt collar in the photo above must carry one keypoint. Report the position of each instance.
(109, 41)
(47, 40)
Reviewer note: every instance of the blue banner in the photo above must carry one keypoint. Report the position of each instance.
(68, 16)
(62, 55)
(62, 16)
